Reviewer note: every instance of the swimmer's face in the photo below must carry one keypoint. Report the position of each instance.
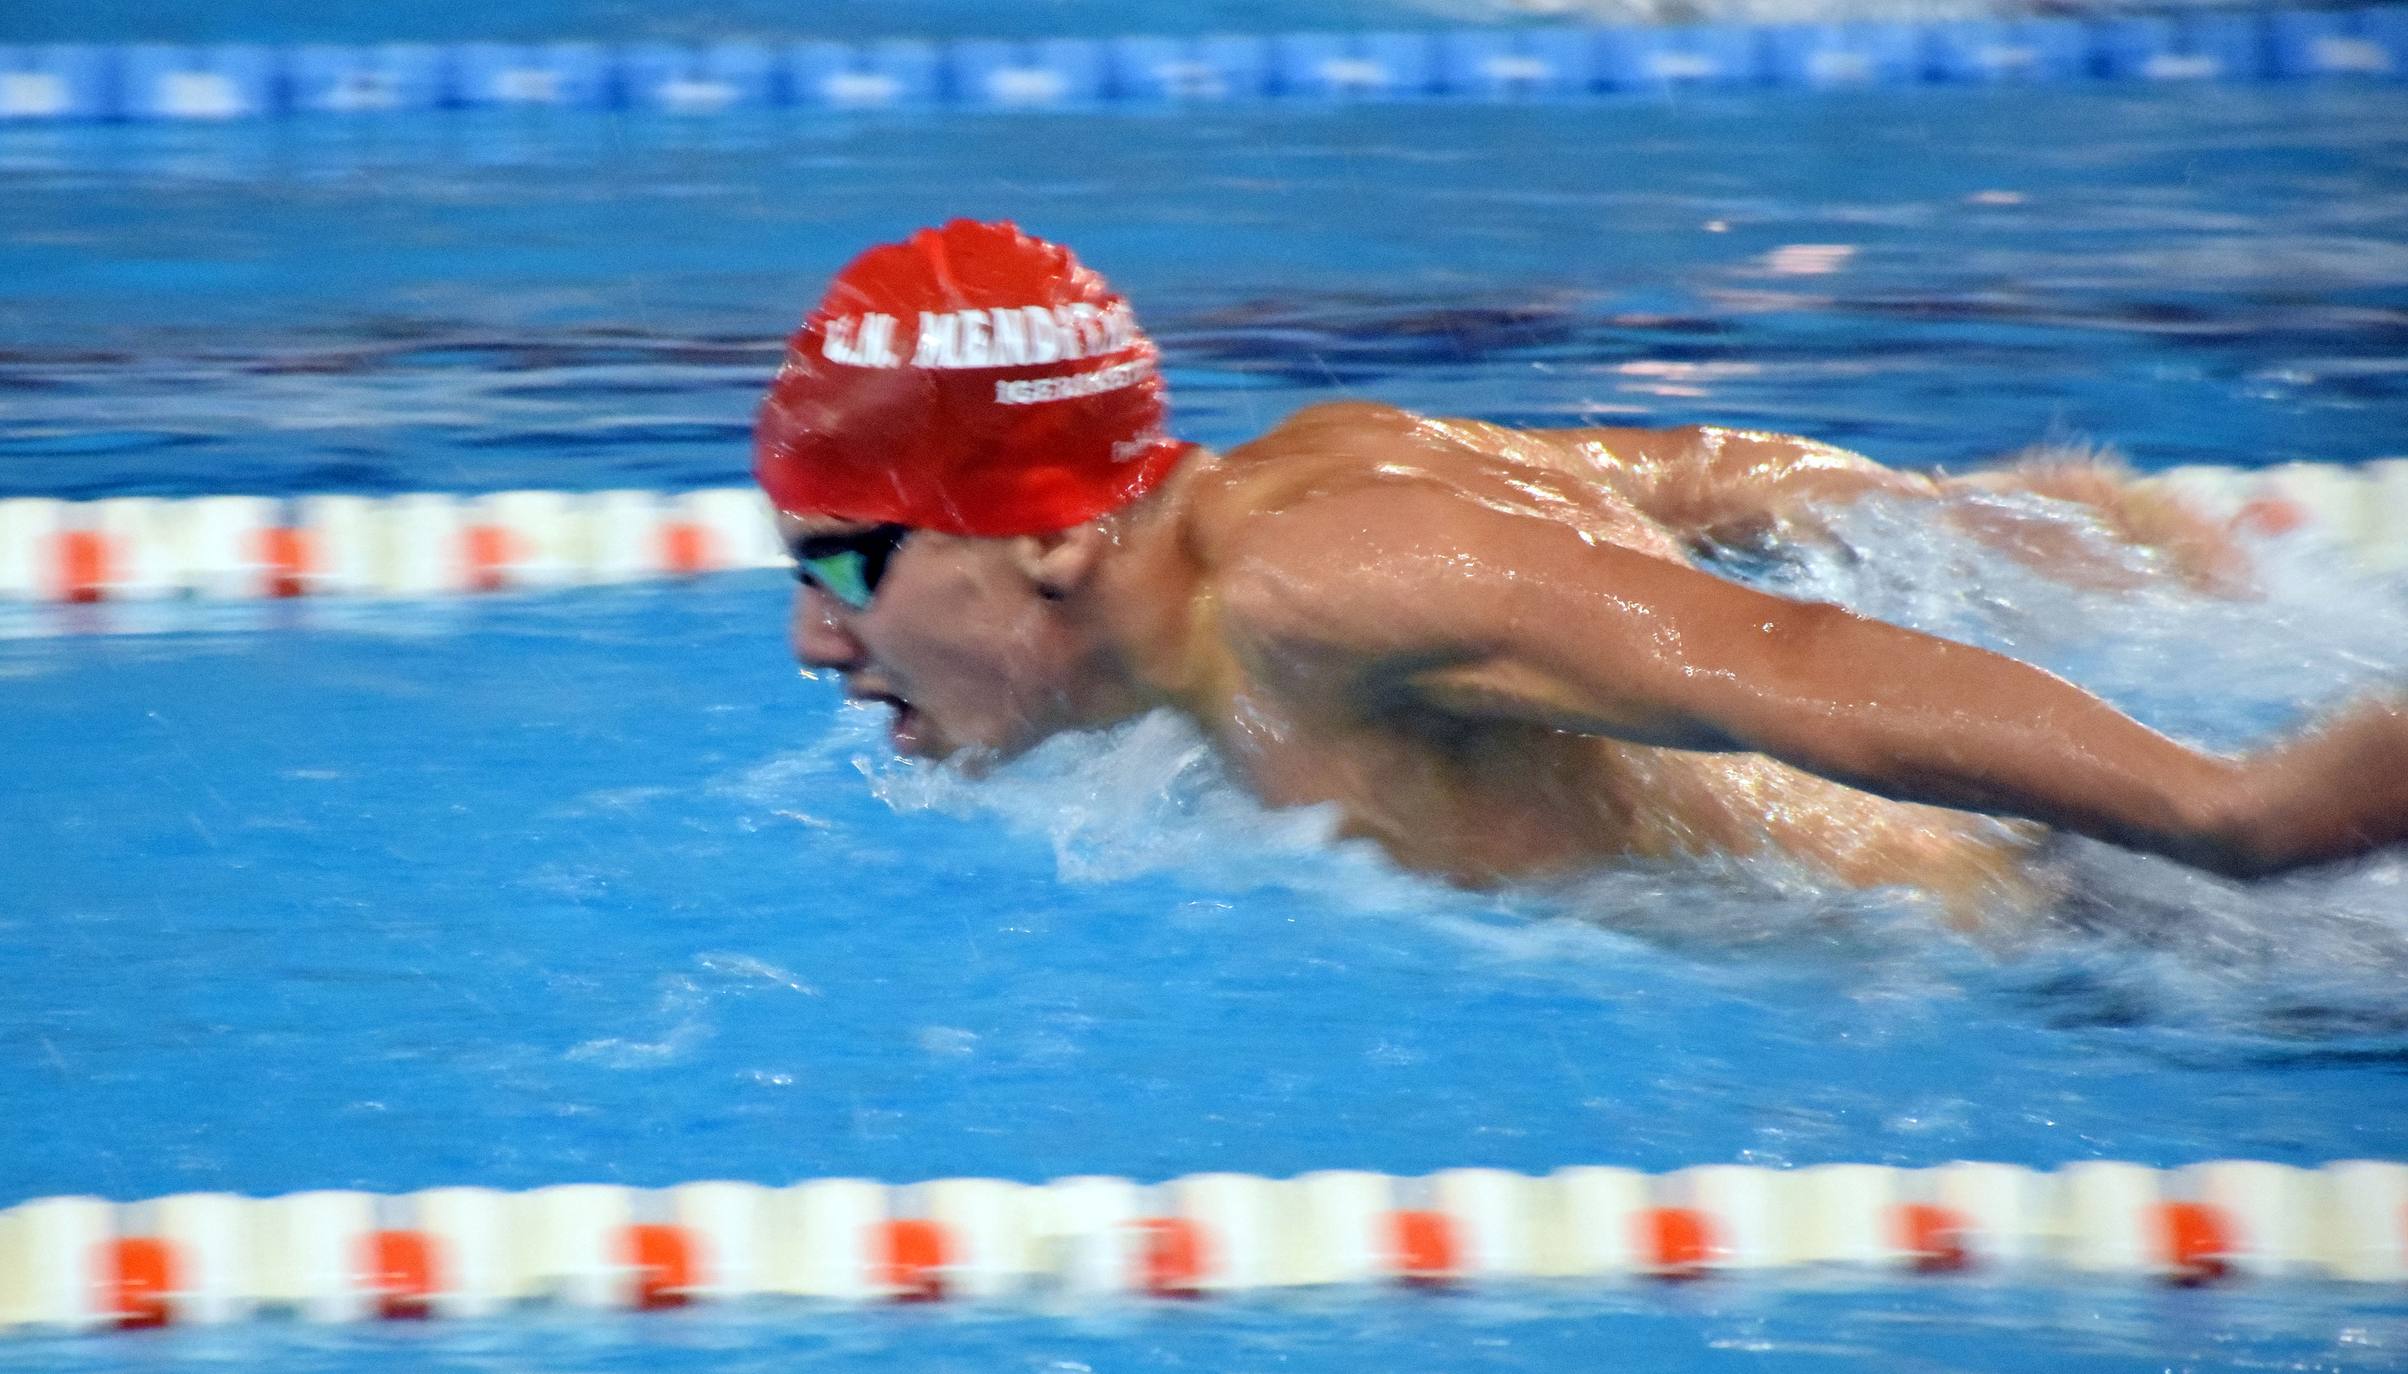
(956, 638)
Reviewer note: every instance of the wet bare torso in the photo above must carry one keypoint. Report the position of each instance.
(1482, 802)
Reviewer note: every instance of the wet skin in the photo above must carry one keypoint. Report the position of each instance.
(1491, 651)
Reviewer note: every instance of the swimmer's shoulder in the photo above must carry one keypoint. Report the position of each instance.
(1316, 452)
(1362, 454)
(1372, 435)
(1380, 432)
(1330, 424)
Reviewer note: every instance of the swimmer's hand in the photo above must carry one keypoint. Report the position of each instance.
(1414, 604)
(2337, 792)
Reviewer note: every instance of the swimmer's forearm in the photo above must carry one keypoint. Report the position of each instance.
(1920, 719)
(1951, 725)
(2335, 793)
(1887, 710)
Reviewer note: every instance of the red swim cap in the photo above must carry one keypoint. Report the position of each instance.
(972, 380)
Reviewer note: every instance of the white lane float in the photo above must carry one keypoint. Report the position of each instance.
(85, 1264)
(412, 546)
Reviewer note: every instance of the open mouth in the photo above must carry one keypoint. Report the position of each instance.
(904, 729)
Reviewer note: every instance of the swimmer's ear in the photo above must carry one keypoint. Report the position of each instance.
(1060, 563)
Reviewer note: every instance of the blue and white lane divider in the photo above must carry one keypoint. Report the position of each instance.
(155, 81)
(433, 544)
(87, 1264)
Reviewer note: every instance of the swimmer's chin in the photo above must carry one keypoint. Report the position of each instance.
(915, 739)
(913, 736)
(970, 760)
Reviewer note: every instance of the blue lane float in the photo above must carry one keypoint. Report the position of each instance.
(1511, 64)
(573, 76)
(1046, 74)
(1694, 56)
(1355, 66)
(2309, 43)
(167, 82)
(685, 80)
(1171, 70)
(2007, 51)
(2181, 48)
(1828, 56)
(841, 76)
(59, 82)
(335, 79)
(156, 81)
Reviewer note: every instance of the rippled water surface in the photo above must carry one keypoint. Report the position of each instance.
(581, 300)
(589, 887)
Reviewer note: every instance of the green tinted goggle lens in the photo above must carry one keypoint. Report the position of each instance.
(848, 566)
(844, 576)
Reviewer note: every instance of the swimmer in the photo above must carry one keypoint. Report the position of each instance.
(1491, 650)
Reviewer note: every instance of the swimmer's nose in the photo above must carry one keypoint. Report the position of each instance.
(821, 637)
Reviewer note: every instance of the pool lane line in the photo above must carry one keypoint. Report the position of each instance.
(415, 546)
(239, 81)
(85, 1264)
(431, 545)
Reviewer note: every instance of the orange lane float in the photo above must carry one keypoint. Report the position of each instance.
(140, 1273)
(401, 1268)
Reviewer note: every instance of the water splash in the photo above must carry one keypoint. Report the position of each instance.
(1146, 797)
(2220, 671)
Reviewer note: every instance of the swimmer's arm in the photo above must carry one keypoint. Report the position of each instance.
(1479, 615)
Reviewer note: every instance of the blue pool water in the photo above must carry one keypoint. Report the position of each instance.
(591, 887)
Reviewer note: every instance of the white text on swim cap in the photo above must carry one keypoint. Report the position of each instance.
(1008, 336)
(861, 340)
(1029, 391)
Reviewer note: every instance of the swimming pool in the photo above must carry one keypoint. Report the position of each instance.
(588, 887)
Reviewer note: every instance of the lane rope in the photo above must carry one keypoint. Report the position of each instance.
(86, 1264)
(244, 81)
(432, 544)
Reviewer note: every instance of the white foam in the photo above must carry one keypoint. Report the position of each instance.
(2219, 670)
(2146, 938)
(1145, 797)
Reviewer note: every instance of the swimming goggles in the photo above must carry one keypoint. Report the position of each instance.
(848, 566)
